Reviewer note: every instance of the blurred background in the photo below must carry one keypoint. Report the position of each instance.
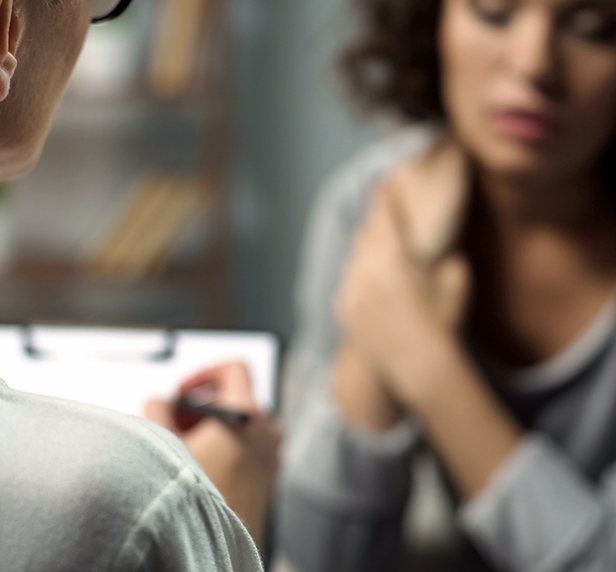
(176, 184)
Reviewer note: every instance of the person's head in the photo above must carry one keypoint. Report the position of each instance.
(40, 41)
(528, 86)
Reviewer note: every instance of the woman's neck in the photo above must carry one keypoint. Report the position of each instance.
(565, 205)
(545, 259)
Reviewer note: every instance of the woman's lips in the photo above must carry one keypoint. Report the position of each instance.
(525, 125)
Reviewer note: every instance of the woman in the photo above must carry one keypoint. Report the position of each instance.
(473, 264)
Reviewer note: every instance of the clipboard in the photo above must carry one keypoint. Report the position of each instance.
(122, 368)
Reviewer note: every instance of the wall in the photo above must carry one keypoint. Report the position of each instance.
(295, 127)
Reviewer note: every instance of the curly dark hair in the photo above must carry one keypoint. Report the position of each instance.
(395, 62)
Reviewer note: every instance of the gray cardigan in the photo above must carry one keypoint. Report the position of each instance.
(552, 508)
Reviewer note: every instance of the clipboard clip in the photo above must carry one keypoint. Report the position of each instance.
(27, 344)
(168, 352)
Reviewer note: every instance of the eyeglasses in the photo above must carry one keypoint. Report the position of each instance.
(106, 10)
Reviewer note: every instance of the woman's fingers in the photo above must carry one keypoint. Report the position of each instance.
(445, 286)
(452, 289)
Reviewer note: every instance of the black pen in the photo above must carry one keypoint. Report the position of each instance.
(231, 417)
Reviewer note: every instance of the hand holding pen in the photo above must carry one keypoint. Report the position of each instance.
(236, 444)
(190, 410)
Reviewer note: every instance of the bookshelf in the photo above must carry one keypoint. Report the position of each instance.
(127, 219)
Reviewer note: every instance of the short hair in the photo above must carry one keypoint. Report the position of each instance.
(394, 63)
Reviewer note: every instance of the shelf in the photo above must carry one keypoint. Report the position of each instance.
(114, 143)
(45, 291)
(105, 113)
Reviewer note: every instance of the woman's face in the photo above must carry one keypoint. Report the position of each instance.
(50, 37)
(530, 85)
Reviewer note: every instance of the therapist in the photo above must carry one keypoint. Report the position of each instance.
(83, 488)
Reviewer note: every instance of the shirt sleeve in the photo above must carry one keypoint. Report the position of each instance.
(343, 489)
(540, 514)
(188, 528)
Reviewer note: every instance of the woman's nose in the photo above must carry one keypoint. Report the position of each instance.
(533, 54)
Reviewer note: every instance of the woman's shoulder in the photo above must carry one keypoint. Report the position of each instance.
(424, 165)
(433, 192)
(352, 184)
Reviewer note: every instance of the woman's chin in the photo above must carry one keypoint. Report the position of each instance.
(522, 160)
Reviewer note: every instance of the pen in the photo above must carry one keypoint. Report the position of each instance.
(233, 417)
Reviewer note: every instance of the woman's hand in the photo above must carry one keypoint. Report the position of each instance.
(361, 395)
(400, 311)
(240, 461)
(403, 315)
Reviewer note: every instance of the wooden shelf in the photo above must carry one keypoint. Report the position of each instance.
(47, 291)
(123, 138)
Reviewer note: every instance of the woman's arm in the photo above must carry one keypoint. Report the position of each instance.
(403, 315)
(473, 433)
(362, 398)
(345, 481)
(527, 505)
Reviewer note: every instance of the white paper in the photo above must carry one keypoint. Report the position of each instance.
(113, 367)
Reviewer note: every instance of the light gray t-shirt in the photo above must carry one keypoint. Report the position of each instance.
(552, 508)
(87, 489)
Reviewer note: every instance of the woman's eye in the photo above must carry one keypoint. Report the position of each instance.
(495, 12)
(593, 25)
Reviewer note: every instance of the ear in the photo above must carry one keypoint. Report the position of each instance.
(9, 38)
